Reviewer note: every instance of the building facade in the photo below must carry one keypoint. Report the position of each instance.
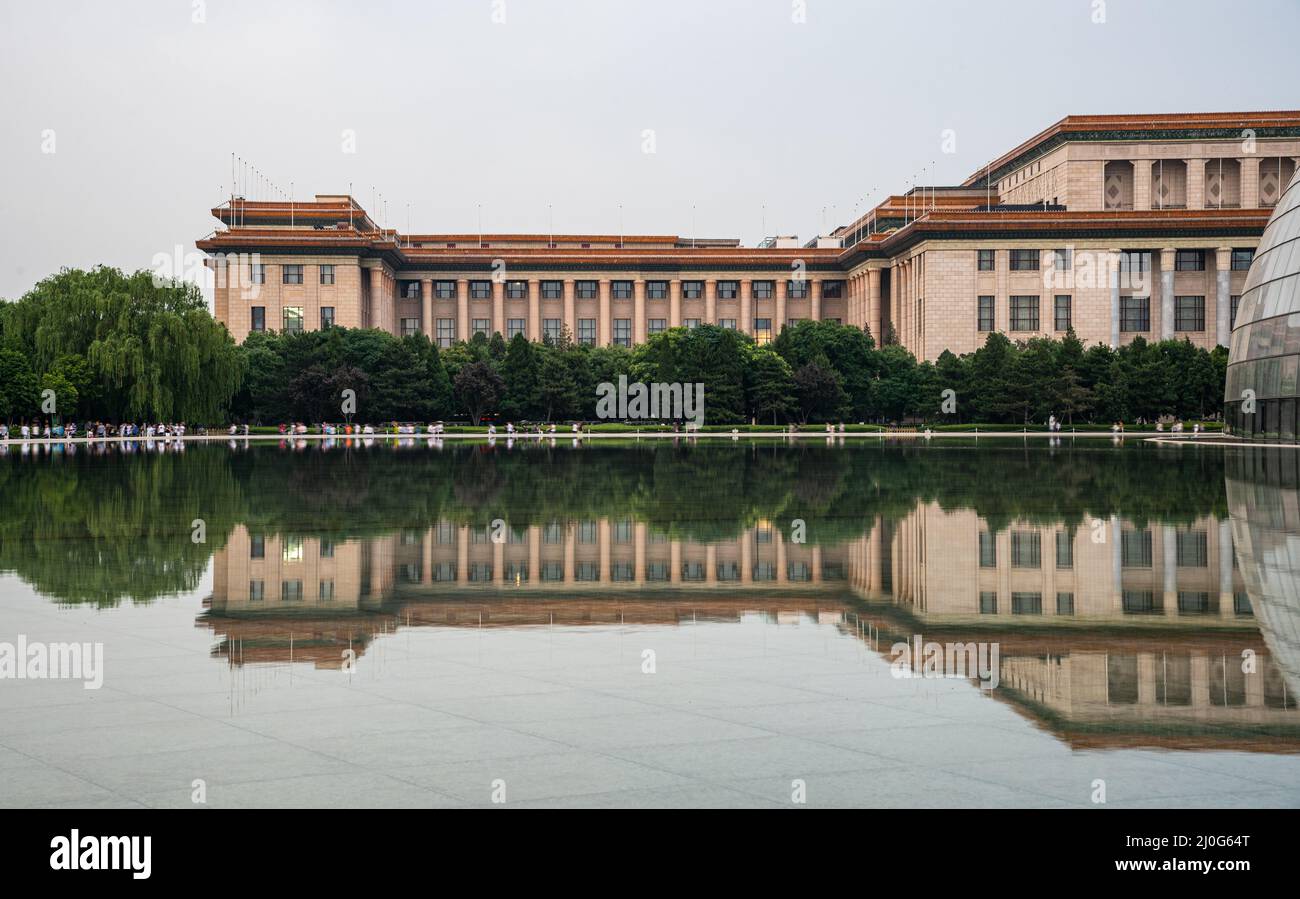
(1115, 226)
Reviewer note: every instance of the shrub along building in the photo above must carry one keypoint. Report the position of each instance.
(1116, 226)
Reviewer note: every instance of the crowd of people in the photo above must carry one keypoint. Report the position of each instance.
(91, 430)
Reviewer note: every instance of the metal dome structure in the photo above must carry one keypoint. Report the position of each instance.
(1262, 389)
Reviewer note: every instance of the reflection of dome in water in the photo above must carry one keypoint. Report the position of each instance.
(1264, 354)
(1264, 501)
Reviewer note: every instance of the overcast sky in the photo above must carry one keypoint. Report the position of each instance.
(142, 103)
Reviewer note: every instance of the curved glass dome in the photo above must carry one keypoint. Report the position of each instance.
(1264, 356)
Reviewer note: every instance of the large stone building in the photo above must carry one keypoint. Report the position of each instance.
(1117, 226)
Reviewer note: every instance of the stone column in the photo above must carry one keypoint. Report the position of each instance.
(711, 301)
(1001, 292)
(426, 557)
(377, 298)
(1141, 184)
(426, 306)
(570, 316)
(747, 557)
(462, 554)
(711, 564)
(638, 311)
(1114, 298)
(534, 553)
(675, 562)
(675, 303)
(498, 562)
(1117, 563)
(873, 305)
(778, 316)
(534, 309)
(782, 568)
(603, 535)
(1223, 295)
(1167, 256)
(1250, 182)
(1225, 566)
(640, 538)
(499, 307)
(605, 326)
(462, 309)
(746, 322)
(1170, 554)
(570, 553)
(1196, 184)
(815, 300)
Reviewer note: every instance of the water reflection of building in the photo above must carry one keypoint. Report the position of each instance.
(1113, 633)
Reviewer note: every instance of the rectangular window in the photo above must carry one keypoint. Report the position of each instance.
(988, 602)
(1235, 300)
(482, 326)
(292, 319)
(1189, 261)
(515, 326)
(1064, 550)
(1026, 603)
(762, 290)
(691, 322)
(257, 547)
(587, 331)
(1024, 260)
(291, 274)
(1134, 262)
(796, 290)
(446, 332)
(656, 290)
(727, 289)
(552, 290)
(657, 325)
(1065, 603)
(326, 317)
(256, 591)
(621, 290)
(623, 331)
(444, 290)
(586, 290)
(1241, 260)
(763, 330)
(1192, 548)
(258, 318)
(832, 290)
(410, 290)
(985, 260)
(291, 591)
(692, 290)
(986, 313)
(1062, 312)
(1135, 549)
(551, 329)
(410, 327)
(1062, 260)
(728, 323)
(988, 550)
(1189, 313)
(257, 273)
(480, 290)
(1026, 549)
(1024, 313)
(516, 290)
(327, 274)
(1135, 313)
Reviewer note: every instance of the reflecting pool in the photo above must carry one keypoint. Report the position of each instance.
(825, 623)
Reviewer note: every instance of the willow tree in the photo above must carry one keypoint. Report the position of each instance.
(152, 347)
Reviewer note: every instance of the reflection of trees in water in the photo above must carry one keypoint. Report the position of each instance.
(85, 529)
(100, 530)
